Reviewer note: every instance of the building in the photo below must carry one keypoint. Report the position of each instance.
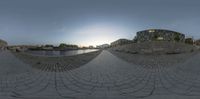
(3, 45)
(91, 47)
(197, 42)
(189, 40)
(21, 48)
(121, 42)
(103, 46)
(159, 35)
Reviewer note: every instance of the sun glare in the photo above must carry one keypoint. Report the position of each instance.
(98, 34)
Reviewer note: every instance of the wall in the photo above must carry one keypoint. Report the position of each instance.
(161, 47)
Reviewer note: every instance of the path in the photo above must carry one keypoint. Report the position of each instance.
(106, 76)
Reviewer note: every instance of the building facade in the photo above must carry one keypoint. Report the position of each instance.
(159, 35)
(121, 42)
(3, 45)
(197, 42)
(189, 41)
(103, 46)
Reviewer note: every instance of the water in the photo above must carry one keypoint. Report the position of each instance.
(61, 53)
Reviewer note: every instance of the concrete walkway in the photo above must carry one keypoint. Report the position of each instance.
(105, 77)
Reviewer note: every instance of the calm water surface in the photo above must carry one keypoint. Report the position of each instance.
(61, 53)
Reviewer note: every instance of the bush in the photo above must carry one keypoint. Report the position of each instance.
(177, 38)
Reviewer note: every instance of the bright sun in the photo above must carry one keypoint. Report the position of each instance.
(97, 35)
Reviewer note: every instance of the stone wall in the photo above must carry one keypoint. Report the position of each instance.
(158, 47)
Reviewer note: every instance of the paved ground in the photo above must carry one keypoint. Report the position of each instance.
(106, 76)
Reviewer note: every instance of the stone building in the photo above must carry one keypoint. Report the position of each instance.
(197, 42)
(189, 40)
(121, 42)
(159, 35)
(3, 45)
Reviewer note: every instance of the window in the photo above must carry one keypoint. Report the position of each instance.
(151, 31)
(160, 38)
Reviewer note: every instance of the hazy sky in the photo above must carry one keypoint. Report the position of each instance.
(93, 22)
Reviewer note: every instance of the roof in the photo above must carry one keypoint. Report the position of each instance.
(160, 30)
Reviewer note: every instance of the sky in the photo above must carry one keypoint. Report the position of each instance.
(93, 22)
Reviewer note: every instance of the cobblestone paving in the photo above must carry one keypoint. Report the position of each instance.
(105, 77)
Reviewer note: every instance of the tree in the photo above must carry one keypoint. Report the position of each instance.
(177, 38)
(48, 45)
(62, 45)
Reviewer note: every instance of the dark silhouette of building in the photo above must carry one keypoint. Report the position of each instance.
(197, 42)
(3, 44)
(189, 41)
(121, 42)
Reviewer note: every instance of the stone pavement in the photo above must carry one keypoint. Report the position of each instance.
(105, 77)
